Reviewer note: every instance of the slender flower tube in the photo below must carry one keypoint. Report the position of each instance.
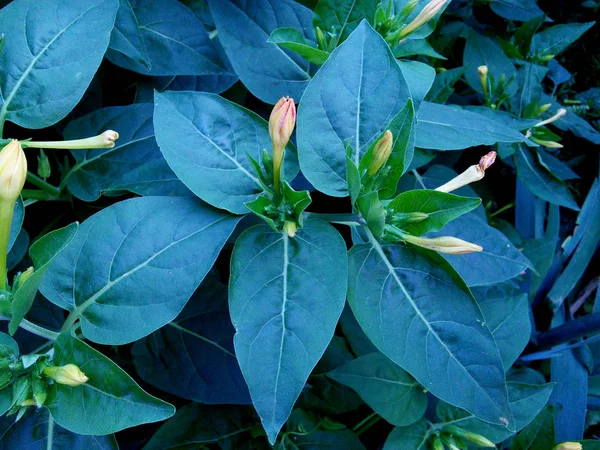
(68, 374)
(428, 13)
(281, 125)
(560, 113)
(13, 173)
(381, 153)
(474, 173)
(104, 140)
(444, 244)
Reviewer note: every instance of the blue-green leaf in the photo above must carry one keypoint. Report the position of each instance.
(420, 314)
(135, 163)
(412, 437)
(206, 140)
(446, 127)
(267, 70)
(132, 267)
(175, 357)
(419, 77)
(53, 49)
(557, 38)
(518, 10)
(385, 387)
(348, 99)
(285, 297)
(85, 409)
(294, 40)
(341, 17)
(17, 222)
(163, 38)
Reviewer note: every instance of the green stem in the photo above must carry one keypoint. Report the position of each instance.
(501, 210)
(365, 420)
(36, 195)
(366, 423)
(419, 179)
(47, 187)
(6, 214)
(346, 219)
(35, 329)
(71, 318)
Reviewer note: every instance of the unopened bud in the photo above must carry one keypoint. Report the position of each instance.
(29, 402)
(483, 73)
(547, 144)
(401, 219)
(21, 278)
(104, 140)
(475, 438)
(568, 446)
(289, 227)
(13, 171)
(44, 169)
(68, 374)
(560, 113)
(437, 443)
(40, 391)
(547, 58)
(444, 244)
(381, 153)
(542, 109)
(428, 13)
(473, 173)
(321, 40)
(281, 125)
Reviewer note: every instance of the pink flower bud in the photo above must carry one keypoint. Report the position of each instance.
(487, 160)
(281, 126)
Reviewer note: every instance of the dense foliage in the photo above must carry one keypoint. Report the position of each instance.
(405, 261)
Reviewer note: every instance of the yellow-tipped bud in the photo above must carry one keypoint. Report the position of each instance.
(289, 227)
(444, 244)
(68, 374)
(428, 13)
(104, 140)
(568, 446)
(474, 173)
(13, 171)
(381, 153)
(29, 402)
(547, 58)
(483, 74)
(437, 443)
(22, 277)
(542, 109)
(281, 125)
(547, 144)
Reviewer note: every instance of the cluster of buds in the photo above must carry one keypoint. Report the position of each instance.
(281, 125)
(474, 173)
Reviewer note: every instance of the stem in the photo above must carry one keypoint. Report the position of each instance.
(362, 422)
(346, 219)
(50, 439)
(36, 195)
(572, 330)
(501, 210)
(6, 216)
(35, 329)
(71, 318)
(419, 179)
(47, 187)
(366, 424)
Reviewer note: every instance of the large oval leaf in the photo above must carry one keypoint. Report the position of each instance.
(267, 70)
(52, 50)
(17, 223)
(84, 409)
(163, 38)
(135, 163)
(418, 312)
(175, 357)
(206, 140)
(132, 267)
(286, 296)
(348, 99)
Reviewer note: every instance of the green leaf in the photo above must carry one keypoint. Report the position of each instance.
(385, 387)
(416, 47)
(132, 267)
(18, 250)
(17, 223)
(557, 38)
(483, 51)
(42, 252)
(412, 437)
(498, 261)
(530, 78)
(443, 85)
(174, 358)
(373, 212)
(342, 17)
(441, 207)
(244, 28)
(37, 431)
(524, 34)
(419, 77)
(518, 10)
(285, 298)
(420, 314)
(294, 40)
(196, 424)
(348, 99)
(446, 127)
(84, 409)
(53, 51)
(356, 337)
(315, 434)
(135, 163)
(538, 435)
(555, 166)
(164, 38)
(526, 401)
(427, 28)
(541, 182)
(506, 313)
(205, 139)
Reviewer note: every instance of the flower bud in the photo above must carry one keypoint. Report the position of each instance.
(542, 109)
(321, 40)
(29, 402)
(281, 126)
(428, 13)
(560, 113)
(483, 73)
(473, 173)
(44, 168)
(401, 219)
(547, 58)
(68, 374)
(289, 227)
(437, 443)
(547, 144)
(21, 278)
(13, 171)
(104, 140)
(444, 244)
(568, 446)
(381, 153)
